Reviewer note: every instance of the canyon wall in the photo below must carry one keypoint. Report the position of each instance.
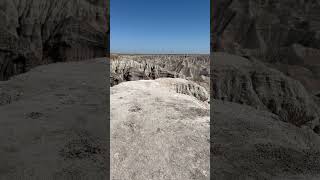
(279, 41)
(35, 32)
(265, 25)
(134, 67)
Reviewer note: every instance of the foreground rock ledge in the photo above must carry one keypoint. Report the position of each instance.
(157, 133)
(254, 144)
(53, 122)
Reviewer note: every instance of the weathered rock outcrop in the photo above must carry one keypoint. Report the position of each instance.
(54, 126)
(250, 82)
(301, 63)
(130, 70)
(284, 33)
(265, 25)
(35, 32)
(183, 86)
(157, 133)
(267, 91)
(254, 144)
(136, 67)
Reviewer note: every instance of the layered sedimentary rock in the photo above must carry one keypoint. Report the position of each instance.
(35, 32)
(137, 67)
(283, 33)
(250, 82)
(301, 63)
(266, 109)
(265, 24)
(158, 132)
(283, 36)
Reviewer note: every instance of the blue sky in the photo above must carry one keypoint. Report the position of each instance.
(160, 26)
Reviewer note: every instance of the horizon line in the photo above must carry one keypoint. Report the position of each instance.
(156, 53)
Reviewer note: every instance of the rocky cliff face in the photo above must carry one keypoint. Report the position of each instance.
(250, 82)
(129, 68)
(284, 33)
(235, 79)
(35, 32)
(271, 36)
(265, 25)
(265, 86)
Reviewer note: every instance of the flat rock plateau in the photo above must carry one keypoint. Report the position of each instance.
(265, 89)
(160, 117)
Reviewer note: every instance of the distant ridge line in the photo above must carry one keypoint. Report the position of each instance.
(147, 54)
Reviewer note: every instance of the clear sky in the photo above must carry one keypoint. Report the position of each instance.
(160, 26)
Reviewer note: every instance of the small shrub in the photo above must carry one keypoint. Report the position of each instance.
(295, 115)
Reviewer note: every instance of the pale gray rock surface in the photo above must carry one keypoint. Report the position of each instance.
(157, 132)
(54, 122)
(138, 67)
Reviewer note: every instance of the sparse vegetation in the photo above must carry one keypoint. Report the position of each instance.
(297, 116)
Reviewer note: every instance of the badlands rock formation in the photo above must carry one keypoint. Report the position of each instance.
(252, 144)
(285, 34)
(250, 82)
(137, 67)
(265, 24)
(35, 32)
(265, 124)
(53, 122)
(159, 117)
(266, 87)
(159, 131)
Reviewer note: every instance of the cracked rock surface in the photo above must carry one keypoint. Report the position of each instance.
(158, 132)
